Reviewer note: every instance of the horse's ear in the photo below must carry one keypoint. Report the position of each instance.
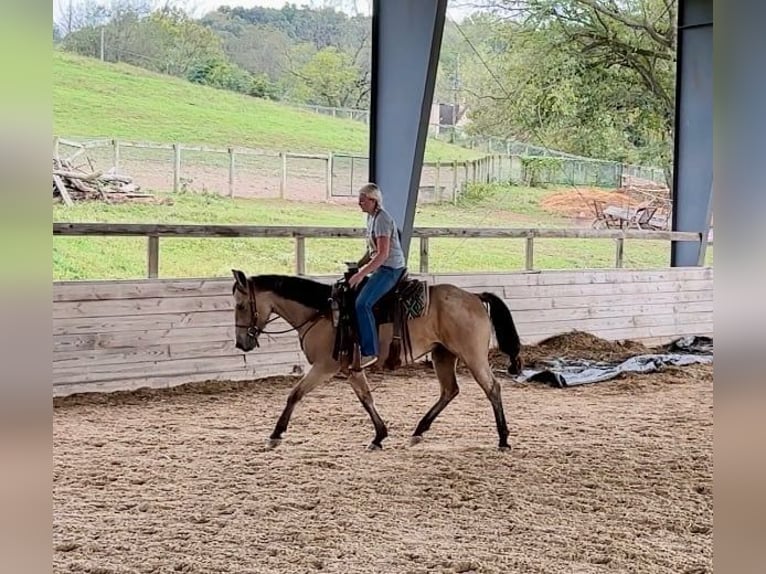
(241, 279)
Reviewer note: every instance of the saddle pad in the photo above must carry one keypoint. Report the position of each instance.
(414, 298)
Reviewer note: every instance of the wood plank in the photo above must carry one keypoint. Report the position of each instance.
(595, 326)
(148, 288)
(133, 339)
(296, 155)
(82, 325)
(159, 382)
(554, 233)
(145, 145)
(128, 289)
(148, 306)
(610, 311)
(573, 277)
(139, 289)
(191, 230)
(209, 230)
(143, 338)
(169, 351)
(180, 367)
(81, 359)
(635, 289)
(62, 190)
(573, 302)
(160, 321)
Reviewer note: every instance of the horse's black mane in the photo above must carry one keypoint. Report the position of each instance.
(304, 291)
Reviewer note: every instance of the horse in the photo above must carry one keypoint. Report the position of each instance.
(455, 326)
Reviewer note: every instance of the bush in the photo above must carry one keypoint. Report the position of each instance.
(537, 171)
(477, 193)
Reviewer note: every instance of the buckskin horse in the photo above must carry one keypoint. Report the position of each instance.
(454, 326)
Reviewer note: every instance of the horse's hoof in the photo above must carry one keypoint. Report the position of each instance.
(374, 446)
(416, 439)
(273, 442)
(504, 448)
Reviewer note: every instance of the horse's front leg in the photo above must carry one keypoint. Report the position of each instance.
(317, 375)
(358, 382)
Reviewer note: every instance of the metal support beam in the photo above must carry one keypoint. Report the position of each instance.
(693, 154)
(406, 40)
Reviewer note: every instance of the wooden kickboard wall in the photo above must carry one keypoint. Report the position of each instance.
(124, 335)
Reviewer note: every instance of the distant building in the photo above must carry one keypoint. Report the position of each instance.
(444, 116)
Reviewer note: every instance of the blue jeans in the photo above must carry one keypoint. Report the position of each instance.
(380, 282)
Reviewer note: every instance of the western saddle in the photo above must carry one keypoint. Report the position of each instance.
(407, 299)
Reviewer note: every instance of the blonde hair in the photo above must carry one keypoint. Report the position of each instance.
(372, 191)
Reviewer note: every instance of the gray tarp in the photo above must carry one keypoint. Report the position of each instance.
(572, 372)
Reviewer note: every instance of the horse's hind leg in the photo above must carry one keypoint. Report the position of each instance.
(358, 382)
(444, 365)
(315, 377)
(483, 374)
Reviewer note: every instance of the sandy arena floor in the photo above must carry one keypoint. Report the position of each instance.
(611, 477)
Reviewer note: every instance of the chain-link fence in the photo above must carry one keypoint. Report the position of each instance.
(580, 170)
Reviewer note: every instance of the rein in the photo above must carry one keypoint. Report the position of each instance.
(253, 330)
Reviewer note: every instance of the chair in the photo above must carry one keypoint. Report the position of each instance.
(602, 219)
(644, 216)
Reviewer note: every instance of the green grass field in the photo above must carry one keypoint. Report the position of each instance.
(96, 99)
(119, 258)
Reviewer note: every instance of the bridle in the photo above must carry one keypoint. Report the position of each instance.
(254, 331)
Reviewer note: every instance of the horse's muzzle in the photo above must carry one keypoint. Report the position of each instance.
(248, 344)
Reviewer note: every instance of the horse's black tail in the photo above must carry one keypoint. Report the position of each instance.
(505, 330)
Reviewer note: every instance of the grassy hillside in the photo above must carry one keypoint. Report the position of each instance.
(95, 99)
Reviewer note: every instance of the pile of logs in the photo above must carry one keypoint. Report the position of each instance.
(71, 183)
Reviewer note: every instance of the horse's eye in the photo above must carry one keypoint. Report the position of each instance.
(240, 307)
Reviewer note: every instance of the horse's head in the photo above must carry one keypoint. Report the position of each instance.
(251, 311)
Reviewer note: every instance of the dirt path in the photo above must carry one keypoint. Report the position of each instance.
(612, 477)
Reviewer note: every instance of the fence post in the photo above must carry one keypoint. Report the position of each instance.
(176, 166)
(424, 254)
(300, 255)
(351, 187)
(437, 191)
(329, 175)
(618, 252)
(283, 179)
(530, 252)
(153, 256)
(454, 180)
(231, 172)
(116, 155)
(465, 179)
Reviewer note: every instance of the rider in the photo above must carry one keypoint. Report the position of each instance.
(384, 263)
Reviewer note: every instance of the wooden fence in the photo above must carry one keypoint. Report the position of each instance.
(153, 233)
(122, 335)
(242, 171)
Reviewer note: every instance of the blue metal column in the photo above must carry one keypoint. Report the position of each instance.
(693, 157)
(406, 40)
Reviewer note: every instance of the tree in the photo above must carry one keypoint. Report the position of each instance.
(332, 79)
(592, 76)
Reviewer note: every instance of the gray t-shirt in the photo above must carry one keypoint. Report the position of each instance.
(382, 224)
